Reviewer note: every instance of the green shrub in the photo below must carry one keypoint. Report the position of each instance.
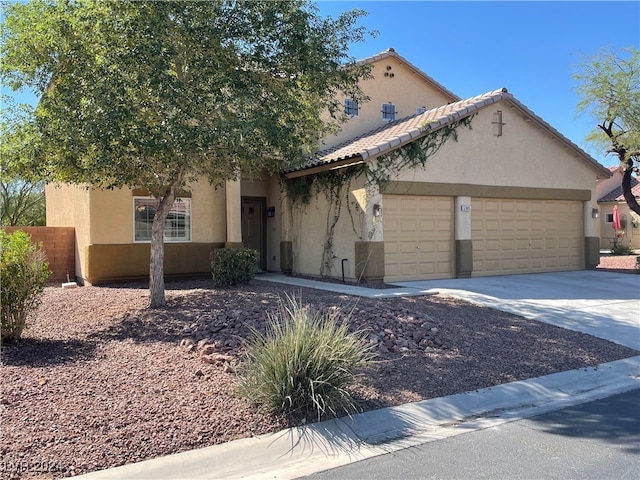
(620, 249)
(304, 362)
(23, 275)
(234, 266)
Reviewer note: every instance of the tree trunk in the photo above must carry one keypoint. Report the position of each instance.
(621, 152)
(156, 265)
(626, 188)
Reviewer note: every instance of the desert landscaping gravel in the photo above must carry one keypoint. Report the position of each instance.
(99, 380)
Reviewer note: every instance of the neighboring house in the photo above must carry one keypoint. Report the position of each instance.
(512, 195)
(609, 193)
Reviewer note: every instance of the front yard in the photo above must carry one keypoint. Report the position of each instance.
(100, 381)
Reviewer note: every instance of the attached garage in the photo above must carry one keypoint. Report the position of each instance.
(510, 195)
(418, 233)
(526, 236)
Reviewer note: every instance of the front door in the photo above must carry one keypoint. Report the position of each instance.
(253, 226)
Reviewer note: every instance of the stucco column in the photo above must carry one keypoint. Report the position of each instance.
(462, 234)
(286, 243)
(234, 218)
(591, 234)
(369, 253)
(372, 219)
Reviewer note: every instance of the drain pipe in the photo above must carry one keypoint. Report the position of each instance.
(342, 261)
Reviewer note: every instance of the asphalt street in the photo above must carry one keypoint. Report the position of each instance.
(593, 441)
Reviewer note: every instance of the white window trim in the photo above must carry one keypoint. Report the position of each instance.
(395, 112)
(344, 104)
(166, 240)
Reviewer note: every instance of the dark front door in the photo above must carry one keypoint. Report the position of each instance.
(253, 226)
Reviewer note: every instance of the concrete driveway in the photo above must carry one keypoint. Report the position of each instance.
(603, 304)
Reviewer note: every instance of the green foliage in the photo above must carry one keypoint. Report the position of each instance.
(609, 87)
(21, 203)
(304, 363)
(609, 84)
(335, 184)
(620, 249)
(149, 94)
(414, 154)
(234, 266)
(23, 275)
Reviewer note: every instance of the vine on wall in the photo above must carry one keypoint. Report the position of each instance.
(335, 184)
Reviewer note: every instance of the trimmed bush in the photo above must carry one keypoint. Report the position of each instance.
(234, 266)
(620, 249)
(304, 362)
(24, 272)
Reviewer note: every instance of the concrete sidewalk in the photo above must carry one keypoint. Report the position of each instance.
(604, 304)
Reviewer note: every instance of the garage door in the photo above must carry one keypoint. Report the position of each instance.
(526, 236)
(418, 237)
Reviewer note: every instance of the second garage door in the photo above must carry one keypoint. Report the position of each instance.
(418, 237)
(526, 236)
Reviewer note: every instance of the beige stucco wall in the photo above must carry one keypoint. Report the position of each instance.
(631, 235)
(69, 206)
(606, 185)
(105, 217)
(308, 227)
(112, 215)
(406, 89)
(525, 155)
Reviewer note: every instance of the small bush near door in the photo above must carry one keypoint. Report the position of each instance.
(24, 272)
(234, 266)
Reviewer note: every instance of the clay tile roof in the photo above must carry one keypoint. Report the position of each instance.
(404, 130)
(616, 195)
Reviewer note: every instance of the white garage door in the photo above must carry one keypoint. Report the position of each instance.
(526, 236)
(418, 237)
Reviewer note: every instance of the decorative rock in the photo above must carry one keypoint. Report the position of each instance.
(216, 358)
(208, 350)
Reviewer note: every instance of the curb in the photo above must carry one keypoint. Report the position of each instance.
(300, 451)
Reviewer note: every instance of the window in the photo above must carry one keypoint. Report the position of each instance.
(420, 110)
(177, 227)
(350, 107)
(388, 111)
(609, 218)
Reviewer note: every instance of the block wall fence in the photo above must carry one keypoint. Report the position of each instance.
(60, 245)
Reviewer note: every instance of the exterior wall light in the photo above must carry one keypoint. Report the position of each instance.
(595, 213)
(271, 212)
(377, 210)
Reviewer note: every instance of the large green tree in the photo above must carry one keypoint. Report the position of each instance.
(609, 84)
(155, 95)
(21, 203)
(22, 199)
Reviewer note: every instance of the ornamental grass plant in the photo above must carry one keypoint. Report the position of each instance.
(304, 362)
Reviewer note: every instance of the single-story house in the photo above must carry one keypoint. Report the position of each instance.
(609, 193)
(511, 195)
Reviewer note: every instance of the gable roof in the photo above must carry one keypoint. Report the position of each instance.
(391, 53)
(405, 130)
(616, 194)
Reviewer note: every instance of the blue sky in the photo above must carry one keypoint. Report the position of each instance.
(531, 48)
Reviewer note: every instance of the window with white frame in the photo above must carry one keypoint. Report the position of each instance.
(388, 111)
(351, 107)
(609, 218)
(177, 226)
